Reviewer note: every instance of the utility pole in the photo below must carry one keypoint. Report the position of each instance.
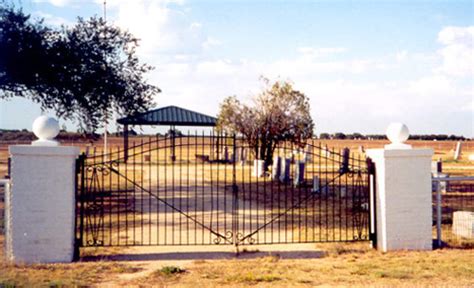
(106, 109)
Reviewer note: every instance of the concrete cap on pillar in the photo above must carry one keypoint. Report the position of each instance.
(397, 133)
(46, 129)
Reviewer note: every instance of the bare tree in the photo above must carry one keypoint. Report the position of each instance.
(279, 113)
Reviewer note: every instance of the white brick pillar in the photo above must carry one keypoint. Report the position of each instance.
(403, 195)
(40, 206)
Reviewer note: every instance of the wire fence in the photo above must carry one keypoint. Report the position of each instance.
(453, 211)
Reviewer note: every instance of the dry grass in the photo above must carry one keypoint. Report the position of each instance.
(59, 275)
(342, 265)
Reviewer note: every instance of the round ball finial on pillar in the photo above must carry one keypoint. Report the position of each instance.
(46, 129)
(397, 133)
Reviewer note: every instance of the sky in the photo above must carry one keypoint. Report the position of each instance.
(363, 64)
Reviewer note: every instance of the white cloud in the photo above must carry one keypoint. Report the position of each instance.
(51, 19)
(161, 27)
(346, 93)
(58, 3)
(456, 35)
(457, 53)
(401, 55)
(211, 42)
(320, 52)
(469, 107)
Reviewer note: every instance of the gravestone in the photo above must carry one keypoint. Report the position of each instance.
(258, 168)
(315, 185)
(463, 224)
(307, 154)
(299, 173)
(237, 154)
(325, 190)
(243, 159)
(226, 154)
(285, 170)
(276, 168)
(343, 192)
(458, 151)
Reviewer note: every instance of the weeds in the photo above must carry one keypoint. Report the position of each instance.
(171, 270)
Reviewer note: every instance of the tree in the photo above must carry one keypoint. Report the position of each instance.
(339, 136)
(83, 73)
(324, 136)
(24, 50)
(279, 113)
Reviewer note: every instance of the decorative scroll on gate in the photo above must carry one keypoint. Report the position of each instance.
(212, 191)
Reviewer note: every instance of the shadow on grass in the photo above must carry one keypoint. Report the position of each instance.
(206, 256)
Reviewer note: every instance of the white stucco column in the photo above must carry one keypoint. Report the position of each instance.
(40, 206)
(403, 194)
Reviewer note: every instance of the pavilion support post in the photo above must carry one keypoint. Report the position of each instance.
(173, 143)
(217, 146)
(125, 142)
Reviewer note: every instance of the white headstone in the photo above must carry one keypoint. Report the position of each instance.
(237, 154)
(458, 151)
(276, 168)
(315, 185)
(243, 159)
(463, 224)
(285, 170)
(299, 173)
(258, 168)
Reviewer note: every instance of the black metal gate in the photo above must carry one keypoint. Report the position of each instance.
(204, 189)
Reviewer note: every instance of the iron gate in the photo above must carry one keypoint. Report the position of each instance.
(204, 189)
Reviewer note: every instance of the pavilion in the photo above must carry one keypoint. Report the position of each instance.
(170, 116)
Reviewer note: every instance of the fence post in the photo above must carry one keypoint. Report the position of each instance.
(403, 194)
(41, 202)
(372, 212)
(235, 202)
(439, 216)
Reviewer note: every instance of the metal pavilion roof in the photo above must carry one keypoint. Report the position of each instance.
(169, 115)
